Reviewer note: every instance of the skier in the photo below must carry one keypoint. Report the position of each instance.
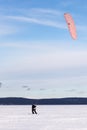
(34, 109)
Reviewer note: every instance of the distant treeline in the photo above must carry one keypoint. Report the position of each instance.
(53, 101)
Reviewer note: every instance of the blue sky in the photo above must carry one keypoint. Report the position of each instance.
(38, 57)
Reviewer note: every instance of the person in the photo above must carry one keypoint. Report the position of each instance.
(34, 109)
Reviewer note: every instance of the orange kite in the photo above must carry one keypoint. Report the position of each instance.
(71, 25)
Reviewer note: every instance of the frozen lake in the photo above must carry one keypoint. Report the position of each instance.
(60, 117)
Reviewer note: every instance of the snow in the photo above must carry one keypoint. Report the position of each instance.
(57, 117)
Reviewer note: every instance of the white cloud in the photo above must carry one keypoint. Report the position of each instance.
(45, 61)
(41, 21)
(46, 11)
(47, 17)
(41, 16)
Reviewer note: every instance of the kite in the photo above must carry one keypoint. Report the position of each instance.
(71, 25)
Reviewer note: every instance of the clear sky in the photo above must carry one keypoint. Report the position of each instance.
(38, 57)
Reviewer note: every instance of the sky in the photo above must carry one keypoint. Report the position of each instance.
(38, 57)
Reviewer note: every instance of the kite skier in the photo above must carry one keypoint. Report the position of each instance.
(34, 109)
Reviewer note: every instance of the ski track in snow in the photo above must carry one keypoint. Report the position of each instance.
(57, 117)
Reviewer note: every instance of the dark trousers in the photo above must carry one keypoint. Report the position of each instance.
(34, 111)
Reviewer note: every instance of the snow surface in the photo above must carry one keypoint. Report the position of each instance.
(60, 117)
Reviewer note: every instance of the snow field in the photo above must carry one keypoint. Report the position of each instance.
(57, 117)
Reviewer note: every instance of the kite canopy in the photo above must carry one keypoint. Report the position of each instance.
(71, 25)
